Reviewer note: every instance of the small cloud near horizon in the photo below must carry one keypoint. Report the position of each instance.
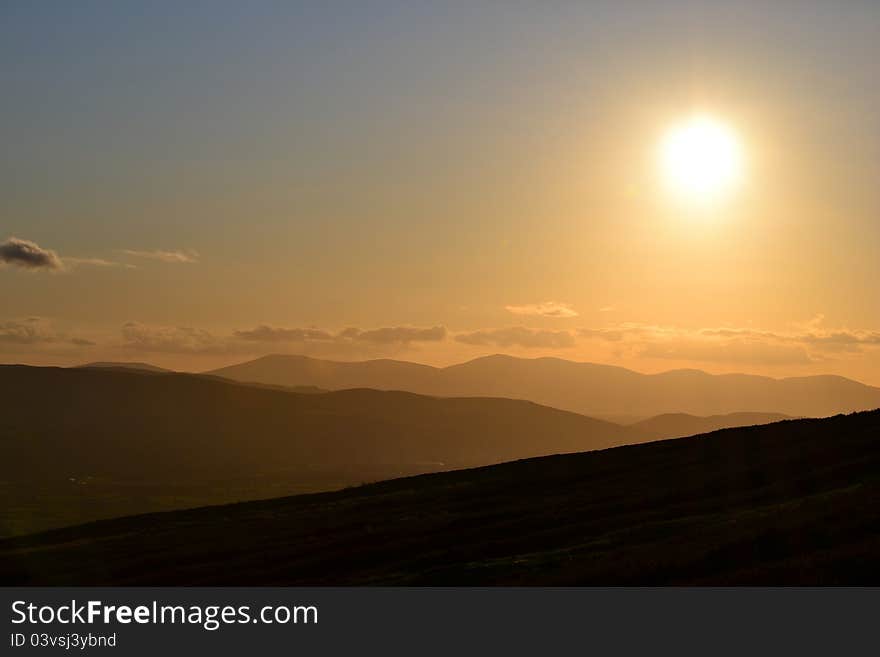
(385, 335)
(266, 333)
(545, 309)
(35, 331)
(396, 334)
(519, 336)
(171, 339)
(188, 340)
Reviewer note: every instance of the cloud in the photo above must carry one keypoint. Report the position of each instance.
(35, 331)
(29, 255)
(32, 330)
(519, 336)
(379, 336)
(178, 257)
(545, 309)
(170, 339)
(804, 344)
(96, 262)
(396, 334)
(269, 334)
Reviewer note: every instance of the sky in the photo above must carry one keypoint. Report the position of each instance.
(194, 184)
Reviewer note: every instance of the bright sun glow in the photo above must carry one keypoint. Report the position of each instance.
(701, 159)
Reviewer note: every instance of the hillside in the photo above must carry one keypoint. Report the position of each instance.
(677, 425)
(585, 388)
(95, 422)
(82, 444)
(797, 502)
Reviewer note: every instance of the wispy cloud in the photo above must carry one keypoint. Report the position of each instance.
(29, 255)
(395, 334)
(545, 309)
(170, 339)
(35, 331)
(96, 262)
(178, 257)
(519, 336)
(386, 335)
(805, 343)
(272, 334)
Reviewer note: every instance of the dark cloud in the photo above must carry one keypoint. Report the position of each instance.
(519, 336)
(29, 255)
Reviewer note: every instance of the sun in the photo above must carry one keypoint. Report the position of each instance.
(701, 159)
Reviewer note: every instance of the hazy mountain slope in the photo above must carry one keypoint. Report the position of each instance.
(797, 502)
(584, 388)
(675, 425)
(76, 422)
(331, 375)
(146, 367)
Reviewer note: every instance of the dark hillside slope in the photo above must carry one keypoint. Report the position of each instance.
(797, 502)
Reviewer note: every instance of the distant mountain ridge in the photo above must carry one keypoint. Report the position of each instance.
(586, 388)
(120, 422)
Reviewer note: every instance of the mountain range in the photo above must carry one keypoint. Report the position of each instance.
(78, 422)
(87, 443)
(586, 388)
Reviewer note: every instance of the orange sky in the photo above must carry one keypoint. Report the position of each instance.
(472, 181)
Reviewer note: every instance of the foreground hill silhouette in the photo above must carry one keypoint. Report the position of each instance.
(585, 388)
(797, 502)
